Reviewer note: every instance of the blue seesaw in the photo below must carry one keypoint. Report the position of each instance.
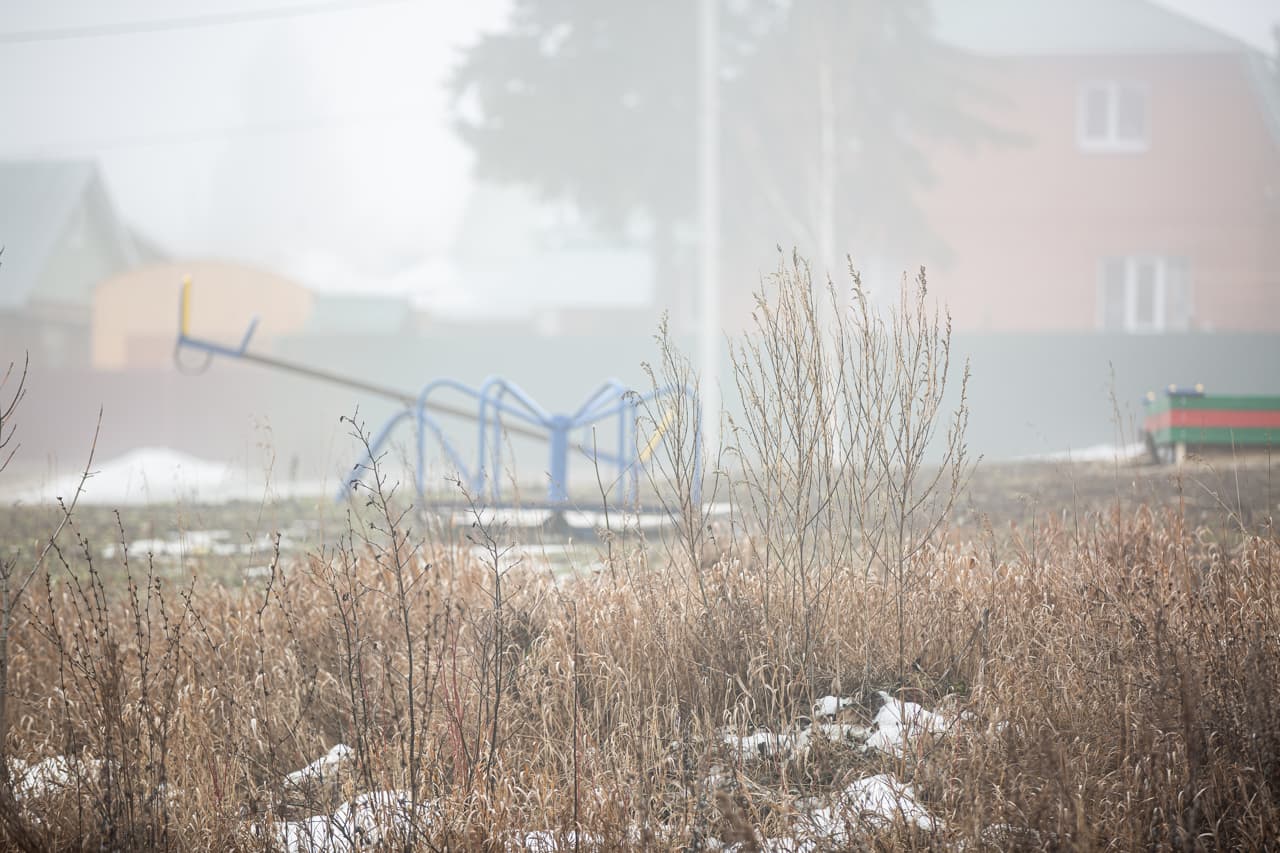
(499, 407)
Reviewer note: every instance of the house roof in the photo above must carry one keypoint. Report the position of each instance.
(1021, 28)
(1079, 27)
(37, 200)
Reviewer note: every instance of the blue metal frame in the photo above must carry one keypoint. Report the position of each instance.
(185, 340)
(497, 398)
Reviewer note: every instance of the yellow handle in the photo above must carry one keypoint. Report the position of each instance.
(185, 323)
(652, 444)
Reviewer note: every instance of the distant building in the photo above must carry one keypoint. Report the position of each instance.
(135, 313)
(540, 267)
(339, 315)
(61, 236)
(1145, 193)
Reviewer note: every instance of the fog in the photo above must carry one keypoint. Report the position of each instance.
(405, 191)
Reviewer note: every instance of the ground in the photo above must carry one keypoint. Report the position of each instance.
(235, 541)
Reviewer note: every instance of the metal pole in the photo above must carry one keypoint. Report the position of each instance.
(558, 484)
(709, 327)
(371, 387)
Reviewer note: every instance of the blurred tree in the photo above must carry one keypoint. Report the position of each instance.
(827, 108)
(1275, 57)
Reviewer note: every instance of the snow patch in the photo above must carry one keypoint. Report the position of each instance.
(362, 824)
(162, 475)
(898, 722)
(545, 841)
(867, 805)
(145, 475)
(326, 767)
(873, 802)
(829, 706)
(843, 732)
(1093, 453)
(50, 775)
(765, 744)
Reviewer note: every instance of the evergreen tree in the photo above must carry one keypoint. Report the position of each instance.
(828, 108)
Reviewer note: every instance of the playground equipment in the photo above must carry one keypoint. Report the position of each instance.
(501, 407)
(1186, 419)
(497, 401)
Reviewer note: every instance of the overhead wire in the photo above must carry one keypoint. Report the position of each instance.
(217, 19)
(202, 135)
(198, 136)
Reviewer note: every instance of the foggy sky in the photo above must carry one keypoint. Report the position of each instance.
(317, 145)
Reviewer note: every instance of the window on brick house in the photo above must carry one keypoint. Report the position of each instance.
(1112, 116)
(1144, 293)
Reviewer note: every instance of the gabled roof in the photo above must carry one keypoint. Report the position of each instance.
(1073, 28)
(37, 200)
(1085, 28)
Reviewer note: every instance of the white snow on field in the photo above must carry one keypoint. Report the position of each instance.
(843, 732)
(327, 766)
(765, 744)
(162, 475)
(1094, 453)
(867, 805)
(898, 722)
(873, 802)
(184, 543)
(544, 841)
(365, 823)
(829, 706)
(145, 475)
(50, 775)
(617, 520)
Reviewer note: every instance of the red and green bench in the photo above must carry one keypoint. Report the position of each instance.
(1185, 421)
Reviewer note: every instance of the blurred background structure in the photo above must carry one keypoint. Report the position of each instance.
(404, 191)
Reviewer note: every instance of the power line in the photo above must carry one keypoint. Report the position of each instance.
(194, 22)
(202, 135)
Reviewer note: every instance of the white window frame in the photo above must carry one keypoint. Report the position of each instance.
(1111, 141)
(1161, 321)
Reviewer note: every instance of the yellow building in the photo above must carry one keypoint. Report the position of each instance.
(135, 313)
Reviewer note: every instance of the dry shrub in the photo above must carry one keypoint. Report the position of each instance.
(1133, 669)
(1114, 688)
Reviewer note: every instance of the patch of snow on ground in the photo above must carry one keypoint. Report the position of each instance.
(843, 732)
(145, 475)
(897, 722)
(1094, 453)
(50, 775)
(362, 824)
(765, 744)
(163, 475)
(829, 706)
(325, 767)
(873, 802)
(544, 841)
(895, 725)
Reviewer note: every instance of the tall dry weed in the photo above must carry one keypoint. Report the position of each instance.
(1112, 685)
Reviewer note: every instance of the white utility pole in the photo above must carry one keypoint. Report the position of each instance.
(826, 167)
(709, 329)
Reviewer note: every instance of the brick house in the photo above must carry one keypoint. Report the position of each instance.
(1144, 193)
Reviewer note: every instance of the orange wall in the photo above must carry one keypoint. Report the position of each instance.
(135, 314)
(1028, 224)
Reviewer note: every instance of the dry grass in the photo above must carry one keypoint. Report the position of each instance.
(1134, 675)
(1117, 684)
